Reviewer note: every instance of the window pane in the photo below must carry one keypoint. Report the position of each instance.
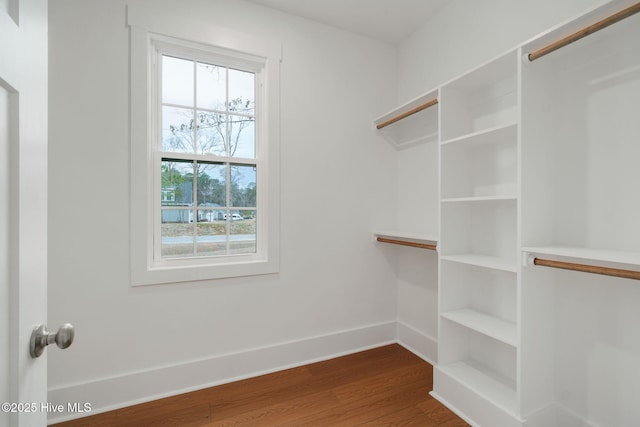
(212, 233)
(213, 215)
(242, 141)
(212, 131)
(243, 186)
(212, 185)
(212, 86)
(242, 234)
(177, 237)
(177, 183)
(174, 216)
(177, 130)
(242, 91)
(177, 81)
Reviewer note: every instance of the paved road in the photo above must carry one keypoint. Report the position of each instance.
(207, 239)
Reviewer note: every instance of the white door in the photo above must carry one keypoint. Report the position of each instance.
(23, 208)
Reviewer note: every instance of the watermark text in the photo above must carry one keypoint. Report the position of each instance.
(48, 407)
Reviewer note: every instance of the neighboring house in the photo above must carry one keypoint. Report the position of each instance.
(181, 197)
(184, 211)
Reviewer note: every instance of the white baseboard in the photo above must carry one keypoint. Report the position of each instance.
(138, 387)
(417, 342)
(556, 415)
(478, 408)
(453, 409)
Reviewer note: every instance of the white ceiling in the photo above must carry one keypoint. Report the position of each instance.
(386, 20)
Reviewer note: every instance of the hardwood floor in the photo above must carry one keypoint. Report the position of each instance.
(385, 386)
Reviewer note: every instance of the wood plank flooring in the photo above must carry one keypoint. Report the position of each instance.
(385, 386)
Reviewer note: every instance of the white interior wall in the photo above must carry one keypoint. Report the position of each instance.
(467, 33)
(334, 292)
(461, 36)
(417, 269)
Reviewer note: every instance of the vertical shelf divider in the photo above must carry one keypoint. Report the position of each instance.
(478, 344)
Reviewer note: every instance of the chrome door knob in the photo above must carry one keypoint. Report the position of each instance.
(41, 337)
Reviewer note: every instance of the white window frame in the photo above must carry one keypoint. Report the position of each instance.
(150, 38)
(161, 46)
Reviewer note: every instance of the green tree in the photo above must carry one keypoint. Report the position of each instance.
(210, 190)
(173, 179)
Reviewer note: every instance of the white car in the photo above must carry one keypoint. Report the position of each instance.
(234, 217)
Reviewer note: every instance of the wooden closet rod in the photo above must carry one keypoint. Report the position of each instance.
(417, 109)
(616, 272)
(404, 243)
(625, 13)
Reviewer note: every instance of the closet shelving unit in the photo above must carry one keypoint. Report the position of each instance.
(410, 124)
(580, 217)
(478, 291)
(539, 160)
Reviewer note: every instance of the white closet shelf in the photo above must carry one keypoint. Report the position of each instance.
(482, 163)
(486, 261)
(581, 27)
(501, 133)
(490, 326)
(405, 108)
(479, 199)
(586, 256)
(498, 389)
(405, 237)
(411, 123)
(578, 254)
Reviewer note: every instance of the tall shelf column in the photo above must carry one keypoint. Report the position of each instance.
(478, 345)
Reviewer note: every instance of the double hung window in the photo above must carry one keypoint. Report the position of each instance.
(204, 158)
(208, 167)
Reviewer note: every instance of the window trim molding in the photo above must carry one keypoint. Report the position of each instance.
(240, 50)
